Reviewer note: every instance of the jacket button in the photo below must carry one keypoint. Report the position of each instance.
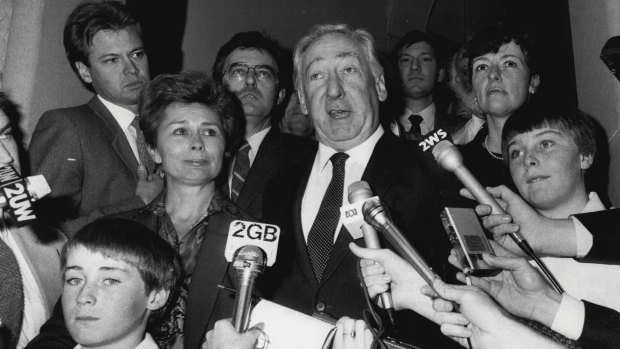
(320, 306)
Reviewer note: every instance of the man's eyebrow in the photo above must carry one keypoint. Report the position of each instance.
(124, 270)
(312, 62)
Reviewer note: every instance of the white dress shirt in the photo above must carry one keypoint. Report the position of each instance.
(427, 124)
(254, 141)
(596, 283)
(124, 117)
(321, 175)
(34, 311)
(147, 343)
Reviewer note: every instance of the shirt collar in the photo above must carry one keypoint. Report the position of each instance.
(359, 154)
(594, 204)
(147, 343)
(123, 116)
(427, 114)
(256, 139)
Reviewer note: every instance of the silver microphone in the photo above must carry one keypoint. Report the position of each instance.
(360, 191)
(450, 159)
(249, 262)
(376, 215)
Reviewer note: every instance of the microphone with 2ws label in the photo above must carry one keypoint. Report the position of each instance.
(251, 246)
(450, 159)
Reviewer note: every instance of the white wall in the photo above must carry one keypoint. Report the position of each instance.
(598, 91)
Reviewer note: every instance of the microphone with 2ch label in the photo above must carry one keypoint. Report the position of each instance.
(450, 159)
(251, 247)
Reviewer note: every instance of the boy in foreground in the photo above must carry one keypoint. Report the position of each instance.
(118, 277)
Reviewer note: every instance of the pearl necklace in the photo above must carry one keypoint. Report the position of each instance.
(484, 144)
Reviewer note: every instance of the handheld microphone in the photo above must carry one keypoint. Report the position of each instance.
(249, 263)
(17, 194)
(251, 246)
(376, 215)
(450, 159)
(360, 192)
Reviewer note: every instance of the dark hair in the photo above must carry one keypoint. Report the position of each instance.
(248, 40)
(413, 37)
(490, 39)
(567, 118)
(11, 110)
(133, 243)
(189, 87)
(86, 20)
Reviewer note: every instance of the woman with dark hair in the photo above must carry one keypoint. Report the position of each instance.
(504, 75)
(189, 124)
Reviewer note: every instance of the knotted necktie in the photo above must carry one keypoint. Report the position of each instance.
(240, 170)
(11, 293)
(321, 236)
(144, 156)
(414, 132)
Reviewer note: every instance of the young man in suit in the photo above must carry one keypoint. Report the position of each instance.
(340, 84)
(251, 65)
(418, 59)
(92, 155)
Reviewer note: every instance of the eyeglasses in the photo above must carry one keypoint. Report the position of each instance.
(239, 72)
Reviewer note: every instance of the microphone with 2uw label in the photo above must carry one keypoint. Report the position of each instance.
(450, 159)
(17, 194)
(251, 246)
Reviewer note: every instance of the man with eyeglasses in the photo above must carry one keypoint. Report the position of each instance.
(249, 65)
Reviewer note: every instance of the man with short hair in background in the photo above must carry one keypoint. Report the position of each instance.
(94, 156)
(250, 65)
(419, 60)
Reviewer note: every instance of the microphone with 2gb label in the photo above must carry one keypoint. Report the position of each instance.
(251, 246)
(450, 159)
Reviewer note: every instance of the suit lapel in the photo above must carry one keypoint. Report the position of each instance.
(210, 270)
(119, 143)
(266, 162)
(382, 167)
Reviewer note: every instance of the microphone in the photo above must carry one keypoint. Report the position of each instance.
(360, 192)
(450, 159)
(376, 215)
(251, 246)
(17, 194)
(249, 263)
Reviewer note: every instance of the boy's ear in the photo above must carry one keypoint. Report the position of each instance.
(157, 299)
(586, 161)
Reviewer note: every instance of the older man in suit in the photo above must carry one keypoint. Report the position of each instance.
(340, 84)
(250, 65)
(94, 156)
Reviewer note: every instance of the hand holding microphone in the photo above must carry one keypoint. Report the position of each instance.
(449, 158)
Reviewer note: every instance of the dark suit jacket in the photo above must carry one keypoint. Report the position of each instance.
(88, 163)
(601, 329)
(605, 229)
(276, 150)
(206, 302)
(399, 176)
